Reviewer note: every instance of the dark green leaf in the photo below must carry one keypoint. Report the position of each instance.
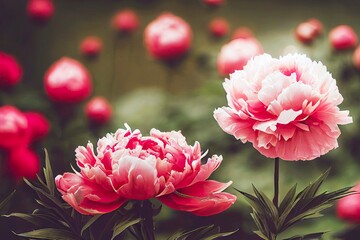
(6, 200)
(288, 199)
(312, 188)
(215, 236)
(123, 225)
(49, 177)
(260, 234)
(50, 234)
(310, 236)
(90, 222)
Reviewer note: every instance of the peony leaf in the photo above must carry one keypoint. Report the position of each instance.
(201, 233)
(4, 202)
(312, 188)
(261, 226)
(38, 219)
(310, 236)
(48, 173)
(287, 200)
(260, 234)
(90, 222)
(50, 234)
(123, 225)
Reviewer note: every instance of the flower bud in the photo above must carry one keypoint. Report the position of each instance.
(67, 81)
(125, 21)
(10, 70)
(343, 37)
(219, 27)
(38, 125)
(23, 162)
(98, 110)
(213, 3)
(168, 37)
(91, 46)
(40, 10)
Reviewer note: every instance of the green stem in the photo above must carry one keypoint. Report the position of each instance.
(145, 229)
(276, 182)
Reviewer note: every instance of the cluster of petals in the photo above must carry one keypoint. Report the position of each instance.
(129, 166)
(286, 107)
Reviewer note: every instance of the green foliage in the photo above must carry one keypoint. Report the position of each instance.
(294, 208)
(4, 203)
(201, 233)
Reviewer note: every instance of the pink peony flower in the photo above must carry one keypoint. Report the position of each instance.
(235, 54)
(129, 166)
(38, 124)
(125, 21)
(67, 81)
(10, 70)
(343, 37)
(23, 162)
(348, 208)
(40, 10)
(218, 27)
(13, 127)
(285, 107)
(168, 37)
(307, 31)
(98, 110)
(91, 46)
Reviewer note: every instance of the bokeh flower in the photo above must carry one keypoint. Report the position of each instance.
(213, 3)
(23, 162)
(40, 10)
(98, 110)
(13, 127)
(285, 107)
(343, 37)
(129, 166)
(168, 37)
(125, 21)
(91, 46)
(348, 208)
(67, 81)
(235, 54)
(38, 125)
(10, 70)
(306, 32)
(219, 27)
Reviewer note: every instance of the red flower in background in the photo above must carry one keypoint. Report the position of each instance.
(219, 27)
(10, 70)
(98, 110)
(125, 21)
(38, 125)
(348, 208)
(13, 128)
(235, 54)
(91, 46)
(343, 37)
(40, 10)
(214, 3)
(307, 31)
(168, 37)
(242, 32)
(23, 162)
(67, 81)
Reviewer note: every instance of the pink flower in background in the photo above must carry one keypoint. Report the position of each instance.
(218, 27)
(235, 54)
(98, 110)
(242, 32)
(67, 81)
(348, 208)
(91, 46)
(40, 10)
(125, 21)
(306, 32)
(10, 70)
(285, 107)
(129, 166)
(38, 125)
(356, 58)
(214, 3)
(168, 37)
(23, 162)
(343, 37)
(13, 127)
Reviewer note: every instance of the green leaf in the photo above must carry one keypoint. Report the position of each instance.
(310, 236)
(260, 234)
(202, 233)
(287, 200)
(49, 177)
(252, 200)
(4, 202)
(50, 234)
(90, 222)
(123, 225)
(312, 188)
(215, 236)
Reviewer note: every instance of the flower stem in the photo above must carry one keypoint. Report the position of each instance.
(276, 182)
(147, 224)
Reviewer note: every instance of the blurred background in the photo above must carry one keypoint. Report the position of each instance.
(147, 92)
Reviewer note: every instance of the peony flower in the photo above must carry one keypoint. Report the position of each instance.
(125, 21)
(13, 127)
(40, 10)
(348, 208)
(67, 81)
(235, 54)
(285, 107)
(98, 110)
(218, 27)
(10, 70)
(38, 125)
(91, 46)
(128, 166)
(23, 162)
(343, 37)
(168, 37)
(307, 31)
